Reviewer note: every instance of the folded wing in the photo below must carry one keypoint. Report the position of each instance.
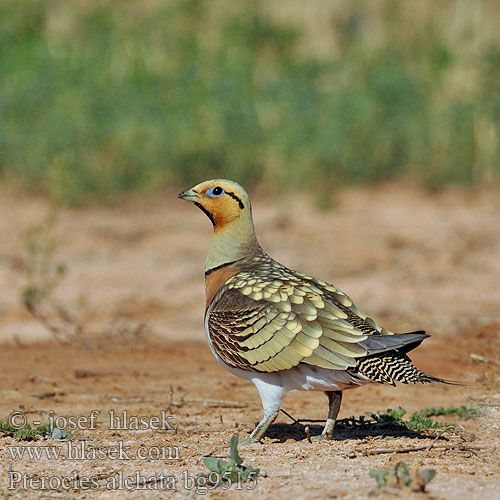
(267, 325)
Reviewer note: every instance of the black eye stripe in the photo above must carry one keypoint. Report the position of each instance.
(240, 203)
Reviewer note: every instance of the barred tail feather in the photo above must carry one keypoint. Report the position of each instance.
(393, 366)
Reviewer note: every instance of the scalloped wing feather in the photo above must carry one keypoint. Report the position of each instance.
(269, 318)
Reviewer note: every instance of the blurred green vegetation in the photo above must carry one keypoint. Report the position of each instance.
(98, 99)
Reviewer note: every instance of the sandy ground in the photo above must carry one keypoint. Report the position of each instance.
(135, 286)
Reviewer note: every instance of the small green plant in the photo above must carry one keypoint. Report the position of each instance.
(465, 412)
(43, 274)
(421, 420)
(28, 433)
(229, 472)
(395, 417)
(400, 478)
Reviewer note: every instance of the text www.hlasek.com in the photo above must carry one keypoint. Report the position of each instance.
(87, 451)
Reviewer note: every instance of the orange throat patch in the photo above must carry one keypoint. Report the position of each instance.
(216, 279)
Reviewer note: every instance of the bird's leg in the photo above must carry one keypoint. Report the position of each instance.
(272, 397)
(334, 401)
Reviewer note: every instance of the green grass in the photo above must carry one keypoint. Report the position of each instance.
(465, 412)
(421, 419)
(101, 99)
(28, 433)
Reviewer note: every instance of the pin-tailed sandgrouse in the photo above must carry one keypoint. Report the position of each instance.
(282, 329)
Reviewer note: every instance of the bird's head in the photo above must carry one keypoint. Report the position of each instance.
(224, 202)
(227, 205)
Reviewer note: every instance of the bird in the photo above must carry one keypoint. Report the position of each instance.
(284, 330)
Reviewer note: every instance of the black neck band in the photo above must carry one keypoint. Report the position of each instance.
(220, 266)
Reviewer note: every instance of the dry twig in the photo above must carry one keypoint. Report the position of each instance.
(411, 449)
(483, 359)
(216, 402)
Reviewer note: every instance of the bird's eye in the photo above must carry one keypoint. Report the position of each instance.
(215, 192)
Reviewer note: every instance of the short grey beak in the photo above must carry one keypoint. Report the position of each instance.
(188, 194)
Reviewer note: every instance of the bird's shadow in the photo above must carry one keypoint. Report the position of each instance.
(346, 429)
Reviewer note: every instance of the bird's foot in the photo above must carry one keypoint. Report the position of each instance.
(248, 440)
(322, 437)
